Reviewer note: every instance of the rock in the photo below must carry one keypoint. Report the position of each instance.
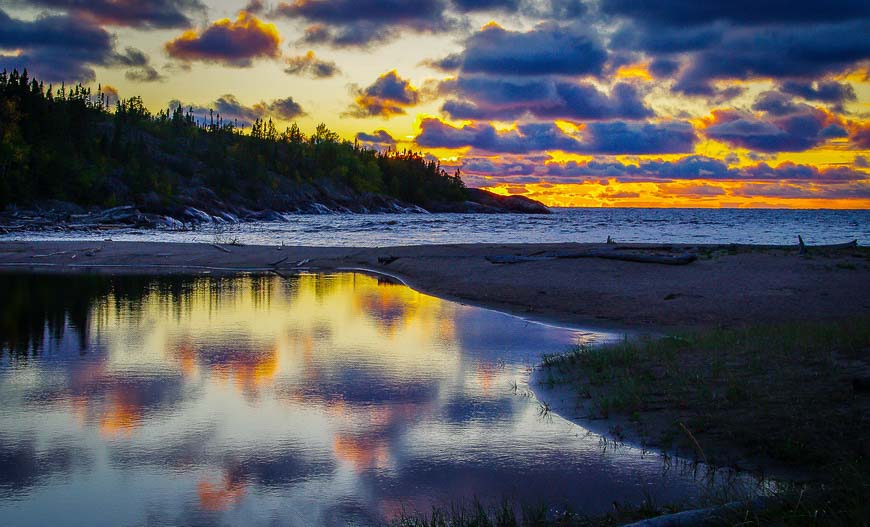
(516, 204)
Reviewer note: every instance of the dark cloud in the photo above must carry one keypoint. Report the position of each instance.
(231, 109)
(255, 6)
(696, 168)
(234, 43)
(663, 40)
(597, 138)
(389, 95)
(55, 48)
(142, 70)
(155, 14)
(145, 73)
(310, 66)
(785, 126)
(380, 138)
(285, 108)
(779, 52)
(824, 91)
(549, 49)
(616, 137)
(467, 6)
(485, 98)
(346, 23)
(682, 13)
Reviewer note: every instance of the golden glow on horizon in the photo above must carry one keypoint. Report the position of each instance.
(683, 194)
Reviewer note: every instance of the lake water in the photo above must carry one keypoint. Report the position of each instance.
(758, 226)
(319, 399)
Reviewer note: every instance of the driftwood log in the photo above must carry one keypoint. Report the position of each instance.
(847, 245)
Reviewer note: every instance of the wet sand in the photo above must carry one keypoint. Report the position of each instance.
(726, 286)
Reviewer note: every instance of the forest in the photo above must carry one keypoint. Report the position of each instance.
(70, 144)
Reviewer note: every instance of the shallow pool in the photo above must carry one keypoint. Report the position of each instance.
(317, 399)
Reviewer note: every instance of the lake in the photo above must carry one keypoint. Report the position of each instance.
(317, 399)
(701, 226)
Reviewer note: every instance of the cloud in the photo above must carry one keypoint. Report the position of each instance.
(468, 6)
(784, 127)
(310, 66)
(697, 168)
(142, 70)
(548, 49)
(777, 52)
(495, 98)
(255, 6)
(824, 91)
(388, 96)
(233, 43)
(231, 109)
(682, 14)
(380, 138)
(55, 48)
(150, 14)
(360, 23)
(614, 137)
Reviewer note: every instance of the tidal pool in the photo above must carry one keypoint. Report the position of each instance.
(318, 399)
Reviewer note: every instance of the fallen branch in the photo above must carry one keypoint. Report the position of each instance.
(282, 260)
(218, 247)
(49, 254)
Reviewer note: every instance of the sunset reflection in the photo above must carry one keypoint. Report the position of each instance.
(330, 397)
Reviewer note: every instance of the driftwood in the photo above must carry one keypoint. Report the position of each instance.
(216, 246)
(609, 254)
(847, 245)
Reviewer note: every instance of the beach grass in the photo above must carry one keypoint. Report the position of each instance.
(788, 399)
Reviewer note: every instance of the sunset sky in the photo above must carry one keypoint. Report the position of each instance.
(572, 102)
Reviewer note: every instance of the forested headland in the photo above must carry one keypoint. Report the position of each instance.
(73, 145)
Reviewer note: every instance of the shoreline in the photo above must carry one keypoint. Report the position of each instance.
(727, 285)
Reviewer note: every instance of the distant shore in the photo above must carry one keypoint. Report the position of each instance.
(725, 286)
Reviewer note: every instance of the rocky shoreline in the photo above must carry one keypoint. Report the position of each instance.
(204, 208)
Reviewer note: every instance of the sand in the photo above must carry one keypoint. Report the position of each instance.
(727, 286)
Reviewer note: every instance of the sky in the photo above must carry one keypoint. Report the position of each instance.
(672, 103)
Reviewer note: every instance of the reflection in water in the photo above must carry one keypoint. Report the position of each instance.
(314, 399)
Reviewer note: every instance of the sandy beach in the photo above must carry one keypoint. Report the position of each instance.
(727, 285)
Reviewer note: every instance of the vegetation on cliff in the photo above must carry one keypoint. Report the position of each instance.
(71, 144)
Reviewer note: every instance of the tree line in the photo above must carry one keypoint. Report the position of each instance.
(71, 144)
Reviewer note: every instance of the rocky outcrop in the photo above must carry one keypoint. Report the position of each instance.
(197, 206)
(515, 204)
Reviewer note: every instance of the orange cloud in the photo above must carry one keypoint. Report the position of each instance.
(235, 43)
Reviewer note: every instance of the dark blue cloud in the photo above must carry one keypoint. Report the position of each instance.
(231, 109)
(360, 23)
(55, 48)
(467, 6)
(548, 49)
(380, 138)
(310, 66)
(618, 137)
(789, 128)
(154, 14)
(683, 13)
(389, 95)
(823, 91)
(597, 138)
(778, 52)
(490, 97)
(696, 168)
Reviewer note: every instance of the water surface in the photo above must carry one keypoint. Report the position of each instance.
(258, 400)
(709, 226)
